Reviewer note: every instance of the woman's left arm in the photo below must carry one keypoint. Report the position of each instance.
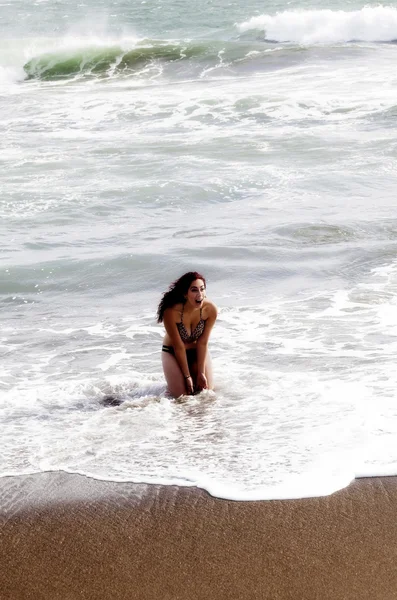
(202, 344)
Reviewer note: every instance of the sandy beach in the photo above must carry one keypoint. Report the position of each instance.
(67, 536)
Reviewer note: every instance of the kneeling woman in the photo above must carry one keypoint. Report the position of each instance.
(188, 319)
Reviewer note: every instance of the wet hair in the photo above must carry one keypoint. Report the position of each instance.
(176, 292)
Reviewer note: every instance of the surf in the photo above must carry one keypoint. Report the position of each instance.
(106, 60)
(370, 24)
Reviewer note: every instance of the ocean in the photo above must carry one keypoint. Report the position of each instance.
(254, 142)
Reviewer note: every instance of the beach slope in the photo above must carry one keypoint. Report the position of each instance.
(67, 536)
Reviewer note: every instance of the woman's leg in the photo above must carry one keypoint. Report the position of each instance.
(208, 371)
(173, 375)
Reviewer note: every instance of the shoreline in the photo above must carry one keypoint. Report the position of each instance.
(67, 536)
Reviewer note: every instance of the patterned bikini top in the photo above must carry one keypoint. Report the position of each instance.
(197, 331)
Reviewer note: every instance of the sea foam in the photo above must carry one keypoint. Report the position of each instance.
(370, 24)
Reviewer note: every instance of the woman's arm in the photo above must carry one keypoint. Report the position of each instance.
(202, 344)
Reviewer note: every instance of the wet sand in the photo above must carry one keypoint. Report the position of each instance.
(66, 537)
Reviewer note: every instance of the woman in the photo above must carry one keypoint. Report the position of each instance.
(188, 320)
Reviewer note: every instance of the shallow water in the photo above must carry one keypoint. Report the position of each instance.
(255, 144)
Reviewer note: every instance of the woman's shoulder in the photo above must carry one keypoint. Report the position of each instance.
(174, 312)
(209, 309)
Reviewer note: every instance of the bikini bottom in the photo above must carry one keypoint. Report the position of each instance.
(191, 353)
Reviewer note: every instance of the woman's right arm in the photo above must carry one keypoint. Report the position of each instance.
(179, 348)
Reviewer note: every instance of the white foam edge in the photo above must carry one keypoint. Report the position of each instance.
(224, 492)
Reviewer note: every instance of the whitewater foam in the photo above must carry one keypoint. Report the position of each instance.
(370, 24)
(291, 151)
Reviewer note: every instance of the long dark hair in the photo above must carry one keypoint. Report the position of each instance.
(176, 292)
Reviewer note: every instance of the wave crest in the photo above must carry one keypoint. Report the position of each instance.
(370, 24)
(63, 64)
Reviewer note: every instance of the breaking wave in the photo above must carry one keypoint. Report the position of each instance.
(370, 24)
(308, 27)
(97, 60)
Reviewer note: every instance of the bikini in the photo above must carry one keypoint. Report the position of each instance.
(185, 336)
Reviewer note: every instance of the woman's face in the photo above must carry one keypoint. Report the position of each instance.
(196, 293)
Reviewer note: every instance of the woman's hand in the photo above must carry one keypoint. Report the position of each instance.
(189, 386)
(202, 383)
